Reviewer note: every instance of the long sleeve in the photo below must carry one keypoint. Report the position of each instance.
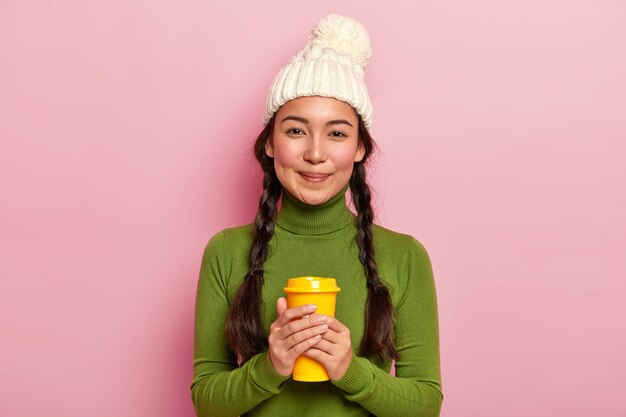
(416, 388)
(219, 388)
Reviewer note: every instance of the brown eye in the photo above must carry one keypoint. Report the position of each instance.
(295, 131)
(337, 134)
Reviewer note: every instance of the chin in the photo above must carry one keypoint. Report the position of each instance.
(312, 198)
(314, 201)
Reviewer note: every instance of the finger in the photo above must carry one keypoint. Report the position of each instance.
(281, 306)
(335, 365)
(317, 354)
(300, 325)
(296, 338)
(326, 347)
(295, 312)
(336, 325)
(333, 336)
(304, 346)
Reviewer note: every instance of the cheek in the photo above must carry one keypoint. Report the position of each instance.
(285, 156)
(344, 159)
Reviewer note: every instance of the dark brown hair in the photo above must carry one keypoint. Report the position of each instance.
(244, 328)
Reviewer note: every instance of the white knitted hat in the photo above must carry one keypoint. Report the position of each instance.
(330, 65)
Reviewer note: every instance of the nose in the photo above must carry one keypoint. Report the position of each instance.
(315, 152)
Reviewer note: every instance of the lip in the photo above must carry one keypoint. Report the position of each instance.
(314, 176)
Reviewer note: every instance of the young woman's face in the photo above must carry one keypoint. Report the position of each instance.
(314, 145)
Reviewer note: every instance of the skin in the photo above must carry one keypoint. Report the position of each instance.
(315, 145)
(297, 331)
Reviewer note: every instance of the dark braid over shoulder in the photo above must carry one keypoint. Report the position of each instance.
(244, 329)
(379, 312)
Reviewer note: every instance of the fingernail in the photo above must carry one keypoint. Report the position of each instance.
(311, 307)
(320, 319)
(322, 328)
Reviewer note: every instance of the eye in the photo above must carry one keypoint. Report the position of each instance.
(295, 131)
(337, 134)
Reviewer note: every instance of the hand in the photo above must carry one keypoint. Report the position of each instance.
(334, 351)
(294, 331)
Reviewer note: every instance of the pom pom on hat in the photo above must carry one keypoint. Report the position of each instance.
(330, 65)
(345, 35)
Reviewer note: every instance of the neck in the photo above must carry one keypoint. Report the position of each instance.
(306, 219)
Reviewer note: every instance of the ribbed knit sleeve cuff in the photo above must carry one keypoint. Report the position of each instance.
(357, 378)
(265, 376)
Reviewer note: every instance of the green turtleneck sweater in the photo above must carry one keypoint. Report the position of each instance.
(318, 241)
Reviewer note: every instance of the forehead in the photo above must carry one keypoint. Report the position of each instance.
(317, 108)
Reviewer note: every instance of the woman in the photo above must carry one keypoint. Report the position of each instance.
(314, 147)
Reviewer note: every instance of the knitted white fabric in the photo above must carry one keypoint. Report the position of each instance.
(330, 65)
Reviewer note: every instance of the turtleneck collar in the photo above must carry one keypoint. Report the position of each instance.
(305, 219)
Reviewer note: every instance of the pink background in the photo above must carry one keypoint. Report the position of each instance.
(125, 132)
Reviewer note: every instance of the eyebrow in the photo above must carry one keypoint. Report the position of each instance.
(305, 121)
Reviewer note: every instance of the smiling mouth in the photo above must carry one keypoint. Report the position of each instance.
(313, 177)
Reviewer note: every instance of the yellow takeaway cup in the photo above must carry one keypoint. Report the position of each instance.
(323, 293)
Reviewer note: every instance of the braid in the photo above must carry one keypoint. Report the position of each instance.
(379, 312)
(244, 328)
(264, 222)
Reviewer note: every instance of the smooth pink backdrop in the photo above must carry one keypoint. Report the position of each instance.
(125, 132)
